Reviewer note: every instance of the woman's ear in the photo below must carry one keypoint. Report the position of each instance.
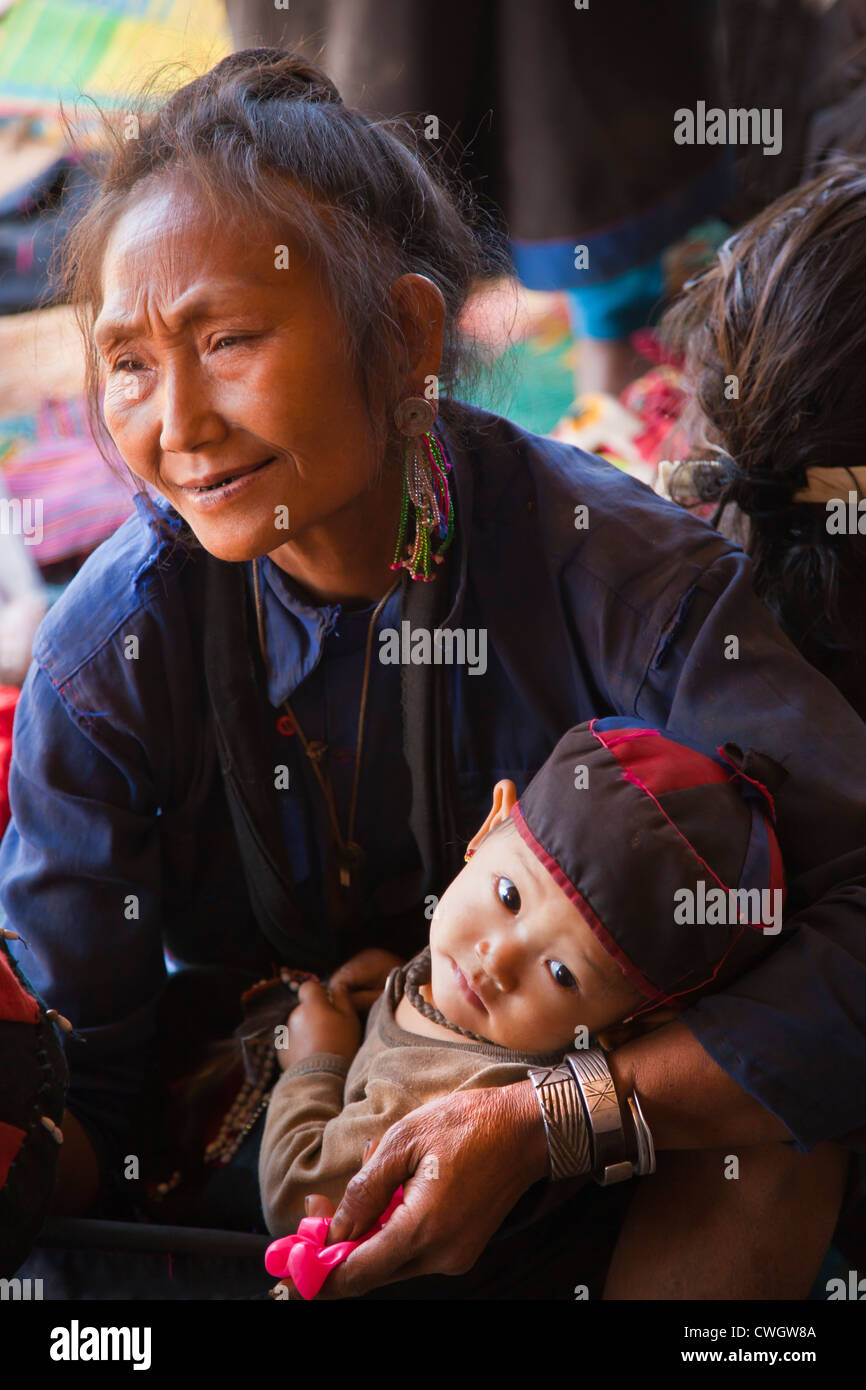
(420, 312)
(504, 797)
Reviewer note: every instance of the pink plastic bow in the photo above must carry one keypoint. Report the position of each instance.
(307, 1260)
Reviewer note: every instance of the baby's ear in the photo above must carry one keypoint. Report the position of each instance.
(504, 797)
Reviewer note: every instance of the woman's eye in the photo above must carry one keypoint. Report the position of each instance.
(127, 364)
(508, 894)
(229, 340)
(562, 975)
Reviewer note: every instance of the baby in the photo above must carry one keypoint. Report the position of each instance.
(632, 874)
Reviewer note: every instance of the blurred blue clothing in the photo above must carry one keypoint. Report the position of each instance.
(595, 257)
(596, 598)
(615, 308)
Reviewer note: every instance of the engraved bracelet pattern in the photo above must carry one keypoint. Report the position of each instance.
(610, 1158)
(564, 1121)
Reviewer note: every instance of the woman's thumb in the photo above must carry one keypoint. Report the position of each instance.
(368, 1194)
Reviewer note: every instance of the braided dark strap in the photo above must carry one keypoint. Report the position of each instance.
(418, 974)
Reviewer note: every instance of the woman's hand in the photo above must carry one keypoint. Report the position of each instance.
(321, 1022)
(365, 975)
(464, 1161)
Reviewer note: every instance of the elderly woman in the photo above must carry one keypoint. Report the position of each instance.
(209, 764)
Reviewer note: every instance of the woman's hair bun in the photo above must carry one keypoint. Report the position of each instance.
(273, 74)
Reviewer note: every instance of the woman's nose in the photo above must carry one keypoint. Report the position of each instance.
(188, 421)
(500, 960)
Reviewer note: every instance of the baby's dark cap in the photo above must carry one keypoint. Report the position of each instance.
(635, 825)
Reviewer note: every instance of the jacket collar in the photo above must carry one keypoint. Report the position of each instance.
(295, 629)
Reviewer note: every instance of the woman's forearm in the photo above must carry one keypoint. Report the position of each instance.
(688, 1100)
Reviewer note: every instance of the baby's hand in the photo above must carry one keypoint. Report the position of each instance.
(365, 975)
(320, 1023)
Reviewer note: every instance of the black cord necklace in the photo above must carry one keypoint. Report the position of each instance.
(350, 855)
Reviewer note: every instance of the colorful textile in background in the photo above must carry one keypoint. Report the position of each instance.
(54, 462)
(533, 358)
(525, 340)
(53, 50)
(529, 376)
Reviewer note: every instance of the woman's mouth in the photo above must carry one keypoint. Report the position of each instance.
(210, 494)
(466, 989)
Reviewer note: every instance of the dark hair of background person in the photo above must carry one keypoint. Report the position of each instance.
(783, 309)
(268, 142)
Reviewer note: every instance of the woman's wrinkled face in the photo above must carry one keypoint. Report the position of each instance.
(513, 959)
(221, 364)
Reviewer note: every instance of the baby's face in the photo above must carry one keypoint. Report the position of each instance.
(514, 961)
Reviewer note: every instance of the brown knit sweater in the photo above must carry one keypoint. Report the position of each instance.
(322, 1110)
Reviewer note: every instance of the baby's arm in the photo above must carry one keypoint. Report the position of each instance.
(311, 1141)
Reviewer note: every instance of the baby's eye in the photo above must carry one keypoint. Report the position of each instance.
(508, 894)
(562, 975)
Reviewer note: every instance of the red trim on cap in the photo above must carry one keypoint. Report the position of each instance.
(665, 766)
(11, 1139)
(626, 965)
(777, 867)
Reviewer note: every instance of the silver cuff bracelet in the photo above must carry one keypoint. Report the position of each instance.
(567, 1132)
(610, 1161)
(583, 1121)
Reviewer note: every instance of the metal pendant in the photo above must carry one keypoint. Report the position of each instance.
(415, 415)
(349, 860)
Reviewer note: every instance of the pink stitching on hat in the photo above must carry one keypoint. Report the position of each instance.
(629, 776)
(754, 781)
(624, 735)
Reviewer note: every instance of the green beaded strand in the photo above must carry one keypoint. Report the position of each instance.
(418, 562)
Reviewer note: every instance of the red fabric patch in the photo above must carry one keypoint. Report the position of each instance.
(662, 766)
(16, 1005)
(11, 1139)
(8, 700)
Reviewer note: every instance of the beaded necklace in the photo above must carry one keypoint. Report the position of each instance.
(247, 1105)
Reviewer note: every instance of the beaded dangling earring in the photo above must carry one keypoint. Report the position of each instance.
(425, 485)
